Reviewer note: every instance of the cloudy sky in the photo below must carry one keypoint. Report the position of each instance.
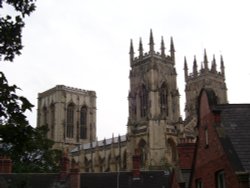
(85, 44)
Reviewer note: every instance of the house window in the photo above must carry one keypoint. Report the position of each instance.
(144, 101)
(70, 120)
(198, 183)
(220, 179)
(83, 123)
(164, 99)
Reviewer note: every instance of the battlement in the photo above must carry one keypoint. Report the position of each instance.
(204, 69)
(143, 57)
(67, 88)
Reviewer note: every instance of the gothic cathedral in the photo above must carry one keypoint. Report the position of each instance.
(154, 127)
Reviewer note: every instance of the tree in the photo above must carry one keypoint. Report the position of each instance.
(11, 28)
(28, 147)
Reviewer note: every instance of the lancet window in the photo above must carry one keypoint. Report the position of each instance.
(144, 101)
(45, 116)
(164, 99)
(83, 122)
(70, 120)
(52, 120)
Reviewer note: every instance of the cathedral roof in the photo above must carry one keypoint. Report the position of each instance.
(100, 143)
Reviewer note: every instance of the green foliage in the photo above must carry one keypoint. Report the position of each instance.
(11, 28)
(28, 147)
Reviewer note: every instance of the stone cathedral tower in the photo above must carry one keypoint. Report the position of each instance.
(204, 78)
(154, 127)
(70, 115)
(153, 105)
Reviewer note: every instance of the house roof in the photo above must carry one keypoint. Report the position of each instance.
(235, 126)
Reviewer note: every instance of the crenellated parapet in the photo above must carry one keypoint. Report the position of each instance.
(68, 89)
(204, 70)
(208, 76)
(143, 57)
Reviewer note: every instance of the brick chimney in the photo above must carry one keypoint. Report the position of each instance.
(5, 165)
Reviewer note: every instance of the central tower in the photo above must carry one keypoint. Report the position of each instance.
(153, 104)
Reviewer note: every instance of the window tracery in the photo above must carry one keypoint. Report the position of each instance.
(144, 101)
(70, 121)
(83, 123)
(164, 99)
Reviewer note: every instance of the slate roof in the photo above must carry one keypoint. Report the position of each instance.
(235, 123)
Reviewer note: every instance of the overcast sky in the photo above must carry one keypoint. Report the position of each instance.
(85, 44)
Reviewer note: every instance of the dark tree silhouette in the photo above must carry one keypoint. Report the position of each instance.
(28, 147)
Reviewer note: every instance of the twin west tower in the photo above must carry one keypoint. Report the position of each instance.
(154, 126)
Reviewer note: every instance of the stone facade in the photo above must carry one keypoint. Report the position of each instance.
(154, 127)
(196, 80)
(70, 115)
(153, 106)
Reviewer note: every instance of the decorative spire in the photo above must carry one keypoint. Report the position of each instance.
(202, 67)
(140, 48)
(162, 47)
(185, 68)
(213, 67)
(151, 42)
(131, 51)
(172, 50)
(195, 72)
(222, 68)
(113, 138)
(205, 60)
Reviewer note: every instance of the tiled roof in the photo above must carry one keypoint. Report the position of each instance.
(235, 122)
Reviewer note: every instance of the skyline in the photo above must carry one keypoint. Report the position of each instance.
(86, 45)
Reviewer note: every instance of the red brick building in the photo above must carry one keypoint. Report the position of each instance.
(222, 154)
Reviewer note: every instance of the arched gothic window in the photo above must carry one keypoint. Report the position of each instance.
(83, 123)
(144, 101)
(45, 116)
(132, 105)
(52, 120)
(142, 152)
(70, 120)
(164, 99)
(171, 147)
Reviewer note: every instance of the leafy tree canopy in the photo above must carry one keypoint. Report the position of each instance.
(28, 147)
(11, 27)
